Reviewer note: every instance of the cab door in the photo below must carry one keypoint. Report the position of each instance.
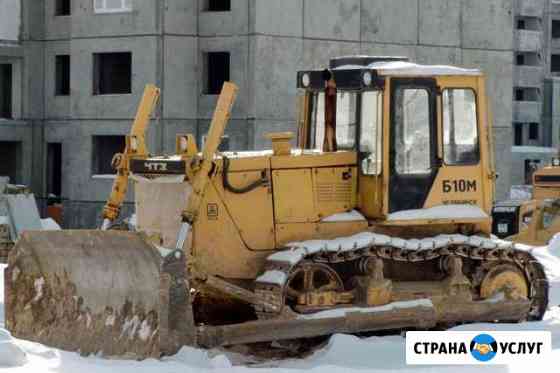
(413, 161)
(461, 179)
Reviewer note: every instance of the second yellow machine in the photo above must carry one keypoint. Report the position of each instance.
(378, 219)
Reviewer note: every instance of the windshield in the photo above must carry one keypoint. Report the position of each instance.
(358, 121)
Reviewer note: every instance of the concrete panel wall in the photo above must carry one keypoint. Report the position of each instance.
(278, 59)
(379, 18)
(180, 17)
(487, 24)
(181, 80)
(56, 107)
(57, 27)
(238, 47)
(438, 20)
(20, 131)
(121, 106)
(33, 75)
(234, 22)
(142, 20)
(279, 18)
(332, 19)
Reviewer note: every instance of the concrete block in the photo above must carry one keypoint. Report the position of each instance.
(279, 60)
(439, 22)
(332, 19)
(234, 22)
(56, 107)
(121, 106)
(281, 18)
(180, 17)
(487, 24)
(390, 21)
(142, 20)
(23, 213)
(181, 78)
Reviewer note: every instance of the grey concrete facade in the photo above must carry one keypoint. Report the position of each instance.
(268, 41)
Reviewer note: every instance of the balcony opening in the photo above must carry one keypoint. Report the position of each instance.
(217, 5)
(217, 71)
(528, 23)
(6, 91)
(54, 169)
(526, 94)
(63, 8)
(527, 59)
(517, 134)
(112, 73)
(555, 63)
(555, 29)
(10, 160)
(62, 83)
(533, 131)
(104, 148)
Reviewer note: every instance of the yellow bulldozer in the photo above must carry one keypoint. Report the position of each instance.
(378, 219)
(533, 221)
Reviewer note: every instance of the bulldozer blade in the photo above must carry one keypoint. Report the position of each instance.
(91, 291)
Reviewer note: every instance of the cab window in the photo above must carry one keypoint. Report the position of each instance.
(412, 131)
(371, 124)
(346, 118)
(460, 132)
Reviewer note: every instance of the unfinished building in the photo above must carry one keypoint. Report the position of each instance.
(72, 77)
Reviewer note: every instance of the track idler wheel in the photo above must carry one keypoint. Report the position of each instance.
(507, 279)
(313, 286)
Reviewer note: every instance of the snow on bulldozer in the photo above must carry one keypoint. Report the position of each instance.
(378, 218)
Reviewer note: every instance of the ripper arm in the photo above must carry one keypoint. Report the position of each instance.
(135, 147)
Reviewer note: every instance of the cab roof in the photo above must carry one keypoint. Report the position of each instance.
(348, 72)
(405, 68)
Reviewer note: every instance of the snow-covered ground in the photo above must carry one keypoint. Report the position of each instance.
(343, 353)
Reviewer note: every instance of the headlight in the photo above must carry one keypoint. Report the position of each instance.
(367, 78)
(305, 80)
(183, 143)
(133, 143)
(556, 162)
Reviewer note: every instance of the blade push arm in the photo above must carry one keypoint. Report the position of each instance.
(201, 178)
(135, 146)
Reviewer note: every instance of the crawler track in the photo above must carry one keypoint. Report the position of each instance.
(484, 252)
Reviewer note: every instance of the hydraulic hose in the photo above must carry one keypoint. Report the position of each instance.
(246, 189)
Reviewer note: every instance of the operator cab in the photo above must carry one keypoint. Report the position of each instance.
(419, 132)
